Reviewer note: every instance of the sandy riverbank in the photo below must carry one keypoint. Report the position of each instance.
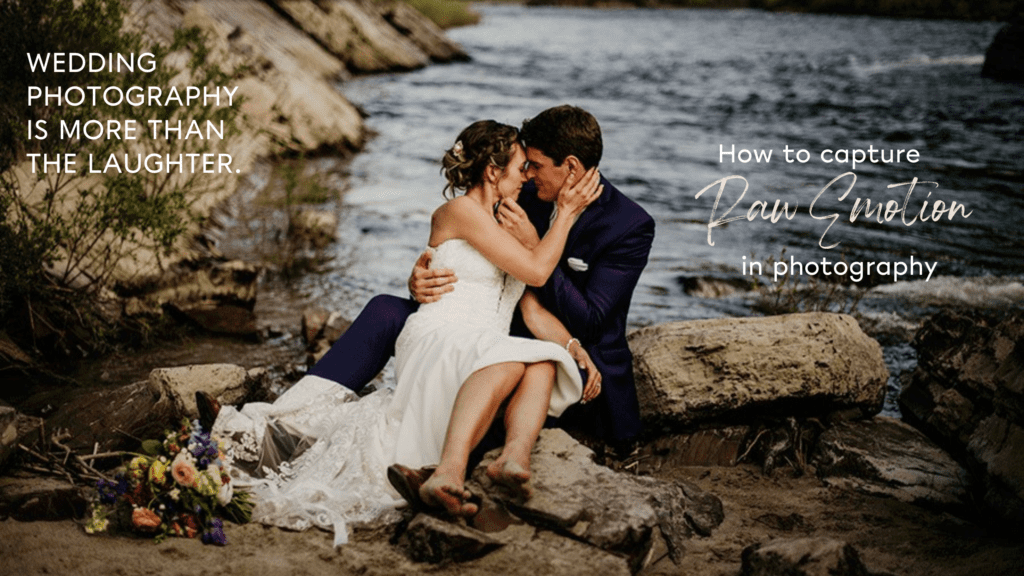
(891, 536)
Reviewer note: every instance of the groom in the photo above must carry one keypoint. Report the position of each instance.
(589, 291)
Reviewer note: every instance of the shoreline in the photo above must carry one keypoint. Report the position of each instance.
(891, 537)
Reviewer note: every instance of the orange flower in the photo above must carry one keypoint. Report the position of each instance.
(183, 471)
(145, 519)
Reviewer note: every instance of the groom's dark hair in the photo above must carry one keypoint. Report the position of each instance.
(565, 131)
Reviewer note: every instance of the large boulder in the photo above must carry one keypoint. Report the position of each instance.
(967, 393)
(726, 370)
(112, 419)
(1004, 59)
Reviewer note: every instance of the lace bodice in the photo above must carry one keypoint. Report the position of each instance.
(484, 296)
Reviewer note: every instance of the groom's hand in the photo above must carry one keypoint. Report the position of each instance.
(514, 219)
(428, 285)
(592, 387)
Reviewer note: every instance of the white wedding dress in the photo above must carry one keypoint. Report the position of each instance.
(318, 455)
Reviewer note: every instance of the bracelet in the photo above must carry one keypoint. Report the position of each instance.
(569, 343)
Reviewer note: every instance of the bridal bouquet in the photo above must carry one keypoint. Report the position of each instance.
(178, 487)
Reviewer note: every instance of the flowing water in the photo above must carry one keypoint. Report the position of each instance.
(685, 98)
(677, 91)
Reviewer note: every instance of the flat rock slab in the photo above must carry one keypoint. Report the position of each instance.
(615, 512)
(429, 539)
(689, 373)
(885, 456)
(40, 498)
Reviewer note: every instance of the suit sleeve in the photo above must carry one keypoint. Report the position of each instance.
(610, 285)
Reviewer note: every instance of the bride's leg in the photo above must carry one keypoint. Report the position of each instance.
(475, 407)
(524, 418)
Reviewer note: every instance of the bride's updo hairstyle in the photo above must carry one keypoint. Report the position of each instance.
(481, 144)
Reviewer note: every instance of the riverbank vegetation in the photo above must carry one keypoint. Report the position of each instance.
(997, 10)
(69, 235)
(446, 13)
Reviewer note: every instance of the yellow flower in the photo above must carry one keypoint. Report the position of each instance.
(98, 522)
(137, 467)
(158, 473)
(205, 485)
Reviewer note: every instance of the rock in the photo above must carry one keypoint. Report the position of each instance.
(218, 296)
(228, 383)
(8, 432)
(529, 552)
(884, 456)
(623, 520)
(428, 539)
(1004, 59)
(119, 418)
(313, 321)
(696, 372)
(421, 31)
(113, 419)
(335, 326)
(356, 34)
(315, 227)
(15, 429)
(321, 331)
(967, 394)
(712, 447)
(41, 498)
(803, 557)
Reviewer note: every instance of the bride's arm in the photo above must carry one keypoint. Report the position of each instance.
(545, 326)
(468, 220)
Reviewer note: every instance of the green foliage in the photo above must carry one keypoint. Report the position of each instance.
(446, 13)
(75, 230)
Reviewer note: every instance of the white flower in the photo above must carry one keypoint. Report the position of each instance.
(225, 494)
(214, 471)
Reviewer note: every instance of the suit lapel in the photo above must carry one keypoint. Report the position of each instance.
(589, 216)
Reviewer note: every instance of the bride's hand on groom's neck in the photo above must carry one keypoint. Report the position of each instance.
(578, 193)
(513, 219)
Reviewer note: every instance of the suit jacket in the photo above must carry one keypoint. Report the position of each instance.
(612, 239)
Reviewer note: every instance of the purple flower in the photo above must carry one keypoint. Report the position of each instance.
(109, 490)
(215, 534)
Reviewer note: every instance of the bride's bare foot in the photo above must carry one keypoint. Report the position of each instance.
(441, 491)
(513, 476)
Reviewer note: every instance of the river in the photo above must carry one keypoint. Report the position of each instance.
(680, 94)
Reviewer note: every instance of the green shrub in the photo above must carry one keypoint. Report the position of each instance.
(72, 231)
(446, 13)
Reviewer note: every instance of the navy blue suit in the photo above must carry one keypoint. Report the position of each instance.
(612, 239)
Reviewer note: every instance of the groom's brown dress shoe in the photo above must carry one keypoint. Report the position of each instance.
(408, 481)
(208, 409)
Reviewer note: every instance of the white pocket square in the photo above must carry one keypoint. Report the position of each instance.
(577, 264)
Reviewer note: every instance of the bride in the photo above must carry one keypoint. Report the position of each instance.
(318, 457)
